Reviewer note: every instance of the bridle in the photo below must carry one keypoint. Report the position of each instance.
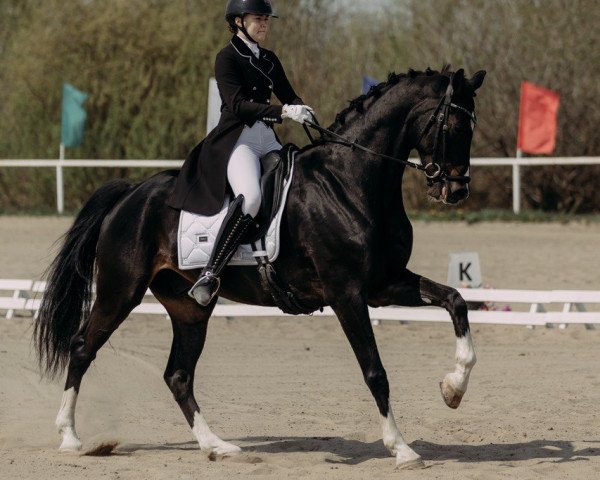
(439, 118)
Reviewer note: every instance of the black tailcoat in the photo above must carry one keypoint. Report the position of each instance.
(246, 84)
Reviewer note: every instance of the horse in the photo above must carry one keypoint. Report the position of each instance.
(345, 242)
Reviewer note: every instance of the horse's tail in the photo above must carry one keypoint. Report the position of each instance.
(67, 299)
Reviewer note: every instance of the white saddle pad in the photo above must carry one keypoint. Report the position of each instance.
(197, 235)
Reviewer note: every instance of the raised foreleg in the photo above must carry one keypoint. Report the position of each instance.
(353, 315)
(416, 291)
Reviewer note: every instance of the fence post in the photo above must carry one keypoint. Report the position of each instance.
(60, 191)
(517, 184)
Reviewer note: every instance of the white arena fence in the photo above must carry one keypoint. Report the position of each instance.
(515, 163)
(24, 297)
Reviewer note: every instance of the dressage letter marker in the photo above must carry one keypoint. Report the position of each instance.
(464, 270)
(464, 275)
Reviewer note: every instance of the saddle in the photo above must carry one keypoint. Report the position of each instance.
(276, 168)
(197, 233)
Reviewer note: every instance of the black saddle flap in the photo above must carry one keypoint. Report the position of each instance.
(276, 168)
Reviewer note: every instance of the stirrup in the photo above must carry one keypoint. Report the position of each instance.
(229, 237)
(205, 288)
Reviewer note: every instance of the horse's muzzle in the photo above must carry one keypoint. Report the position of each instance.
(455, 192)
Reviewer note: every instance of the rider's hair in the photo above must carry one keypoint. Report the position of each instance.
(233, 28)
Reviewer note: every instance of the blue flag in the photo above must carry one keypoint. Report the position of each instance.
(368, 82)
(73, 116)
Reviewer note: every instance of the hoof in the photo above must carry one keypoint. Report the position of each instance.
(407, 458)
(70, 440)
(452, 396)
(70, 445)
(414, 464)
(224, 450)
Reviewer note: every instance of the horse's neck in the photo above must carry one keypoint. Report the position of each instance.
(365, 172)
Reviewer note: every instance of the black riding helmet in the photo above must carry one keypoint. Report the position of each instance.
(239, 8)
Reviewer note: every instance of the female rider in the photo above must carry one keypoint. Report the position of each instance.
(247, 75)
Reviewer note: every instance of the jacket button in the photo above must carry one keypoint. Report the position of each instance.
(268, 101)
(253, 88)
(271, 87)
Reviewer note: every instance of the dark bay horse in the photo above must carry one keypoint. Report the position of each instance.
(346, 241)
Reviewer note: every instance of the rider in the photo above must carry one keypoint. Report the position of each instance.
(246, 75)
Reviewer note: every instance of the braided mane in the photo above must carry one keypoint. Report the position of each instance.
(358, 104)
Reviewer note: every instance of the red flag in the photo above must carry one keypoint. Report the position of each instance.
(537, 119)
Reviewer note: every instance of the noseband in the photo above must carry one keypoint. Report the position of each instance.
(433, 170)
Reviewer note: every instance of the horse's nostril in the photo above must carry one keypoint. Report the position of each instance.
(458, 195)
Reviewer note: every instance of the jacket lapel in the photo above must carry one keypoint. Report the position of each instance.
(262, 62)
(265, 62)
(241, 47)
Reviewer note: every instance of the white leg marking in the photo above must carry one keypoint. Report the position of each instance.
(465, 360)
(209, 441)
(454, 384)
(65, 421)
(406, 457)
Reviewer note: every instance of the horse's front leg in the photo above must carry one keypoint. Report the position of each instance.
(415, 291)
(353, 314)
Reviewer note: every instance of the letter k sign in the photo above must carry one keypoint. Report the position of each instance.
(464, 270)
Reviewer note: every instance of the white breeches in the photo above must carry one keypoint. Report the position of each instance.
(243, 170)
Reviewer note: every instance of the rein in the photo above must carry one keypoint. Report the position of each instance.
(433, 170)
(354, 145)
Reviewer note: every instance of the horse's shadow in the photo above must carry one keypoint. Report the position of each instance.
(551, 451)
(354, 452)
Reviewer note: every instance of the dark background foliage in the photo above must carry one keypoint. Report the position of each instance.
(146, 65)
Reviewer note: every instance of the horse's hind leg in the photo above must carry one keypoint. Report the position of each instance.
(111, 307)
(416, 291)
(354, 318)
(190, 322)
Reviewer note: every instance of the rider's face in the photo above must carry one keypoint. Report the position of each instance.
(256, 25)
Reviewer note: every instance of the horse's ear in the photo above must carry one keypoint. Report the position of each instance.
(458, 79)
(477, 79)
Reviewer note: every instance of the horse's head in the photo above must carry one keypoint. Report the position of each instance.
(441, 126)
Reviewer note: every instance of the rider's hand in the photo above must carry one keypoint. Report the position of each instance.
(298, 113)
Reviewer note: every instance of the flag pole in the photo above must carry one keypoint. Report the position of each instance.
(538, 107)
(60, 194)
(517, 183)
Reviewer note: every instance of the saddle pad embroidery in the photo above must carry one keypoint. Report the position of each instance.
(197, 234)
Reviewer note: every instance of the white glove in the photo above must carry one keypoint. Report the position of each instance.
(297, 113)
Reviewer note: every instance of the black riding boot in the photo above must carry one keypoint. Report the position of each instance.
(230, 235)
